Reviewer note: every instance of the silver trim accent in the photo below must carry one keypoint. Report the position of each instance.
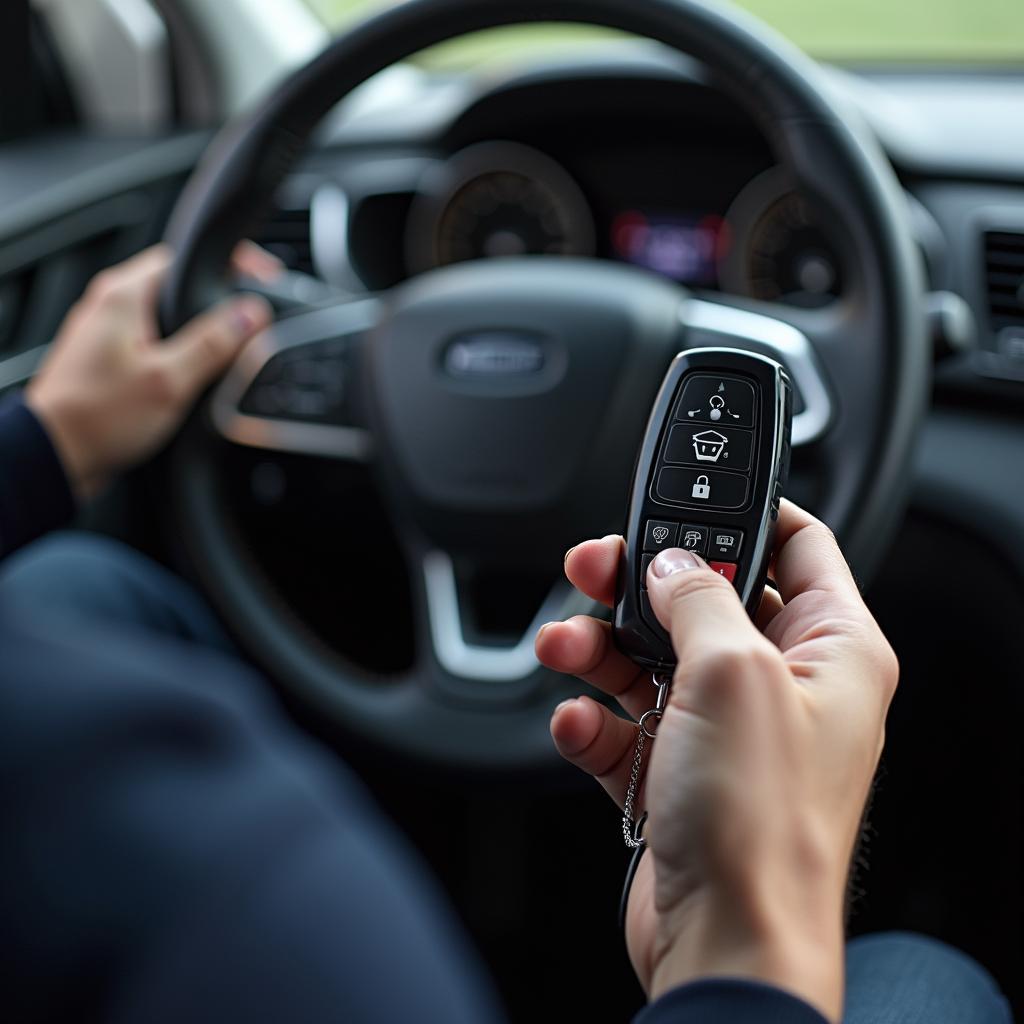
(21, 368)
(329, 211)
(350, 443)
(117, 53)
(784, 343)
(488, 664)
(253, 45)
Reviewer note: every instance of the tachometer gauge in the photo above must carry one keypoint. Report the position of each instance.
(497, 199)
(780, 252)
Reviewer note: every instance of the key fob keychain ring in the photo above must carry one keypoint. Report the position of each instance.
(709, 477)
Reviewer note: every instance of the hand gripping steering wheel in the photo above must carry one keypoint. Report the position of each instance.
(505, 462)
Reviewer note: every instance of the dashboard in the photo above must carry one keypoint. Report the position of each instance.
(662, 173)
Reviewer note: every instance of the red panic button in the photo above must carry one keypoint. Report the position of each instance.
(726, 569)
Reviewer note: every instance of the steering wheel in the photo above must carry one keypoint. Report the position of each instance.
(503, 401)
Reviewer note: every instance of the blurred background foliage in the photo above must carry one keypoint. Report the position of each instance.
(941, 31)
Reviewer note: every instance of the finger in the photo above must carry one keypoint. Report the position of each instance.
(808, 557)
(582, 647)
(203, 348)
(146, 268)
(598, 742)
(254, 261)
(138, 279)
(700, 609)
(592, 567)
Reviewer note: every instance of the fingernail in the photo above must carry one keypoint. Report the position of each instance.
(568, 553)
(540, 632)
(673, 560)
(564, 704)
(247, 315)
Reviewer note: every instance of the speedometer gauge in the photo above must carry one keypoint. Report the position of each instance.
(781, 253)
(497, 199)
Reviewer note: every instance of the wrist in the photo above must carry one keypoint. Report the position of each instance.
(63, 427)
(790, 949)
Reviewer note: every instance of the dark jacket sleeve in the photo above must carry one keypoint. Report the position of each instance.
(171, 850)
(34, 493)
(729, 1001)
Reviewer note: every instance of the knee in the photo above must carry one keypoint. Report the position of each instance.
(933, 981)
(64, 560)
(80, 573)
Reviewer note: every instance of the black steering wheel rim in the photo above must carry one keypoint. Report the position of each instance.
(826, 149)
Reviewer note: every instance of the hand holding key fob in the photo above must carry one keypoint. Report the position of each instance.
(708, 478)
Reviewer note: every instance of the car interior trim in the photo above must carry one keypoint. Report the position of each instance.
(117, 53)
(780, 340)
(352, 444)
(21, 368)
(329, 213)
(490, 664)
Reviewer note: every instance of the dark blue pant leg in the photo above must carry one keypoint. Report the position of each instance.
(899, 978)
(90, 577)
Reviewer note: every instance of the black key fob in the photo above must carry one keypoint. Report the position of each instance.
(709, 478)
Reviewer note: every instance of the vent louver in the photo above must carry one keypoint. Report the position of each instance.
(286, 233)
(1004, 283)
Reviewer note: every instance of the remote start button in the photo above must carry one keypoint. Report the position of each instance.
(723, 400)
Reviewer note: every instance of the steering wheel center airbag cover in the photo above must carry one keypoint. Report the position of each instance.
(494, 390)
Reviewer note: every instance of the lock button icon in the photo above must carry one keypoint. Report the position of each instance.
(702, 488)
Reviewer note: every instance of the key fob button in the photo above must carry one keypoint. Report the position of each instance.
(694, 538)
(659, 534)
(644, 563)
(726, 569)
(725, 545)
(724, 400)
(704, 488)
(700, 445)
(647, 613)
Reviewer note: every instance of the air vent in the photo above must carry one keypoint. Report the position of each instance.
(287, 235)
(1004, 279)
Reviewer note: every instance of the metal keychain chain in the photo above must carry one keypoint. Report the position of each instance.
(633, 831)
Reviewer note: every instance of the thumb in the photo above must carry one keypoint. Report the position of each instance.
(205, 346)
(700, 609)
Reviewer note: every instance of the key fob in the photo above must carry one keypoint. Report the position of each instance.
(709, 478)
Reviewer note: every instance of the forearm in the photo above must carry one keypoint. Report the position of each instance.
(730, 1001)
(35, 496)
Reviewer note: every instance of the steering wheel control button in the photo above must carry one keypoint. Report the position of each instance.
(659, 535)
(644, 563)
(726, 545)
(704, 484)
(726, 569)
(308, 384)
(693, 538)
(693, 445)
(693, 487)
(719, 400)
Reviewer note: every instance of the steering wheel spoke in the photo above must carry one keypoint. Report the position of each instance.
(783, 334)
(292, 387)
(485, 661)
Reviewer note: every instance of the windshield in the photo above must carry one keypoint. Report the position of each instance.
(953, 31)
